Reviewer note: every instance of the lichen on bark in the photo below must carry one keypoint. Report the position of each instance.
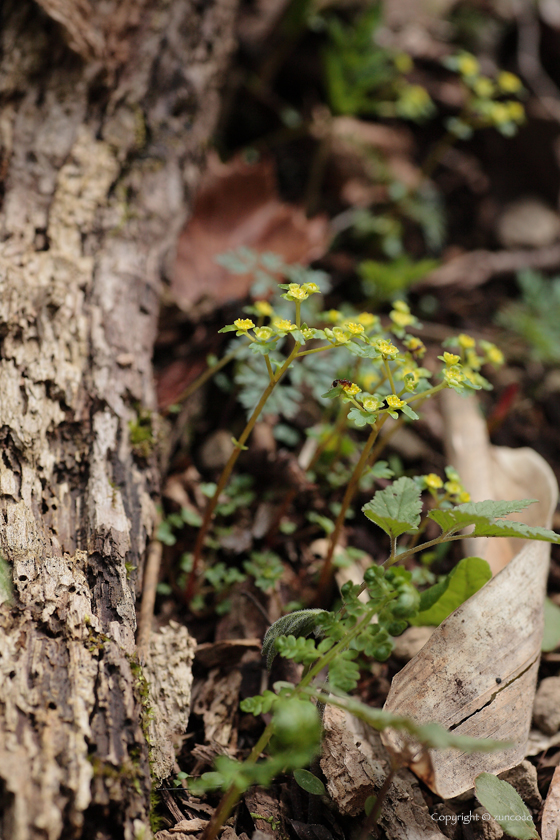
(106, 112)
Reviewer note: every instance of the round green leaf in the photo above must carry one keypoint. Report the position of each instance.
(309, 782)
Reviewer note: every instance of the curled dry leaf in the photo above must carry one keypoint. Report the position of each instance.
(551, 811)
(238, 205)
(477, 673)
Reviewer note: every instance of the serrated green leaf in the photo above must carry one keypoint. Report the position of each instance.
(299, 623)
(503, 802)
(439, 601)
(551, 635)
(309, 782)
(472, 513)
(396, 509)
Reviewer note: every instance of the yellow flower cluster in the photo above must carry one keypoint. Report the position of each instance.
(243, 324)
(387, 348)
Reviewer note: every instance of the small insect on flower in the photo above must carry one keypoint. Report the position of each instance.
(341, 382)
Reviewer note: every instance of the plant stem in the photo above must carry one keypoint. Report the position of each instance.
(370, 824)
(327, 570)
(224, 478)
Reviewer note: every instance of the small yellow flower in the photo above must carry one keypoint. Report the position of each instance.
(401, 319)
(499, 113)
(387, 348)
(515, 110)
(333, 315)
(509, 82)
(394, 402)
(311, 288)
(468, 65)
(453, 376)
(243, 324)
(483, 87)
(263, 333)
(263, 307)
(473, 360)
(355, 329)
(340, 336)
(464, 497)
(401, 306)
(416, 346)
(371, 403)
(451, 358)
(411, 379)
(296, 292)
(494, 354)
(453, 488)
(283, 324)
(466, 341)
(308, 333)
(352, 389)
(366, 319)
(433, 481)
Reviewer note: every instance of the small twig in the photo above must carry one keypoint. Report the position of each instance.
(149, 591)
(370, 824)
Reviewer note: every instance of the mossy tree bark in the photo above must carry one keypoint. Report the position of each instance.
(106, 110)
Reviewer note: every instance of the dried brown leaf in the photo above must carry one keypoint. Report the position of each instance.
(238, 205)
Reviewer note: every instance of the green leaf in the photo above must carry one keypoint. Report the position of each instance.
(439, 601)
(503, 802)
(430, 735)
(487, 518)
(406, 409)
(298, 623)
(397, 508)
(309, 782)
(551, 637)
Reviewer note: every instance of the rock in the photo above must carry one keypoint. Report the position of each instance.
(484, 827)
(528, 223)
(215, 451)
(412, 640)
(448, 821)
(546, 708)
(524, 779)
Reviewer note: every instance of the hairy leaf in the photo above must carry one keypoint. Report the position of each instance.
(397, 508)
(299, 623)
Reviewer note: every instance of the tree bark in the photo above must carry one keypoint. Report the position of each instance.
(106, 111)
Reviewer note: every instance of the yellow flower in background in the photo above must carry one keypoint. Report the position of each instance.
(243, 324)
(509, 82)
(394, 402)
(466, 341)
(366, 319)
(499, 113)
(473, 360)
(464, 497)
(467, 65)
(263, 307)
(401, 319)
(494, 354)
(403, 62)
(483, 87)
(333, 315)
(453, 488)
(516, 111)
(433, 481)
(416, 346)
